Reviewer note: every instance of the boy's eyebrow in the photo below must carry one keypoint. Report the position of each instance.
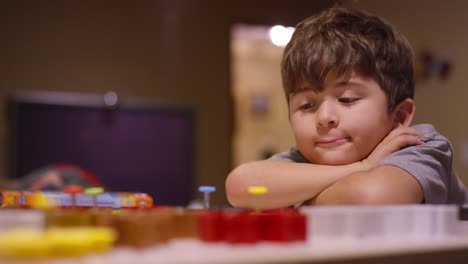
(342, 82)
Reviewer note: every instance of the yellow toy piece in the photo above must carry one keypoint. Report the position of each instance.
(94, 190)
(257, 190)
(55, 242)
(24, 243)
(102, 238)
(79, 241)
(41, 201)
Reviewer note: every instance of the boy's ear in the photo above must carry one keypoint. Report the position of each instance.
(404, 113)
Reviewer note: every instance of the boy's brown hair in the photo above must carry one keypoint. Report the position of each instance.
(343, 39)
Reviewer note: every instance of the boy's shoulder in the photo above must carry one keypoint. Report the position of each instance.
(435, 146)
(431, 164)
(430, 133)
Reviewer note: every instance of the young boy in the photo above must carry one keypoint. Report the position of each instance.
(348, 80)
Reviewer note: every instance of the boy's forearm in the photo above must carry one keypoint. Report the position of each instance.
(381, 185)
(288, 183)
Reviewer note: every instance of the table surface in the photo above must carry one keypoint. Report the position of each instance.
(370, 251)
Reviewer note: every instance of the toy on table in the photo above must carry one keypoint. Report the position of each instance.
(206, 190)
(73, 190)
(257, 191)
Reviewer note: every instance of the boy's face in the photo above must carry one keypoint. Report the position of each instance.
(343, 123)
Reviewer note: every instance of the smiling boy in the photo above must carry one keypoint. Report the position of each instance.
(348, 79)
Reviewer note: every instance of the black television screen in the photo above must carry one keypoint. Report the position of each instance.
(131, 146)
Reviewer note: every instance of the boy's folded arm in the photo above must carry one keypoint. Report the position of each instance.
(288, 183)
(380, 185)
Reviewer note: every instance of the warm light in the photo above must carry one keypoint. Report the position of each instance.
(280, 35)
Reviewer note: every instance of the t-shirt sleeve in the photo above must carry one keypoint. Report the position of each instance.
(430, 163)
(293, 155)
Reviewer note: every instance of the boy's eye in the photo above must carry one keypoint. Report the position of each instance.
(306, 106)
(347, 100)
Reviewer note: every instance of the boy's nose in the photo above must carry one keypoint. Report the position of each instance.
(326, 117)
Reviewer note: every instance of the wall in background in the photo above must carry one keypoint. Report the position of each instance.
(261, 111)
(174, 51)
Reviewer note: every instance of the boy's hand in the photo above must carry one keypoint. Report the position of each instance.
(395, 140)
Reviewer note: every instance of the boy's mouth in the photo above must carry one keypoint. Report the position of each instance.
(331, 142)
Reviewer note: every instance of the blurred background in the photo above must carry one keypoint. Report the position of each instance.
(218, 59)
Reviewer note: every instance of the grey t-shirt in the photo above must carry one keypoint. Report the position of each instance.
(429, 163)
